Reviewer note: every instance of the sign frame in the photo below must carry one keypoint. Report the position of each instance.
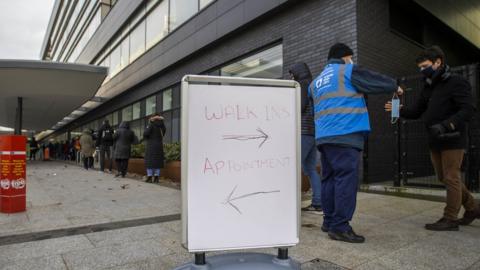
(240, 81)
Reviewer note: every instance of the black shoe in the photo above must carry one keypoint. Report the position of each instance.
(313, 208)
(324, 229)
(443, 224)
(149, 179)
(349, 237)
(156, 179)
(469, 217)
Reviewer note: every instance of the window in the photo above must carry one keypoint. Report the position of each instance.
(157, 24)
(204, 3)
(127, 113)
(137, 41)
(167, 100)
(167, 138)
(109, 118)
(176, 97)
(412, 28)
(176, 126)
(181, 10)
(115, 118)
(125, 45)
(266, 64)
(151, 104)
(115, 61)
(136, 110)
(137, 128)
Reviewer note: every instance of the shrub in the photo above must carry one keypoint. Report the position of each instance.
(172, 151)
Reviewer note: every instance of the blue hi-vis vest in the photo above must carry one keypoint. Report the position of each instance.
(339, 108)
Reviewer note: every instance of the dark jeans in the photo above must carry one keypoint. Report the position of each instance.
(105, 151)
(309, 166)
(339, 185)
(122, 166)
(88, 162)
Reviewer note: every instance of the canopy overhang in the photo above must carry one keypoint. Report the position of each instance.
(49, 92)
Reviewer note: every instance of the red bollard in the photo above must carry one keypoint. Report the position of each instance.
(13, 185)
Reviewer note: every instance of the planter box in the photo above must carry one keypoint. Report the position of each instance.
(173, 170)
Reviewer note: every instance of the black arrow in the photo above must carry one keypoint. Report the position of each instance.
(262, 135)
(229, 199)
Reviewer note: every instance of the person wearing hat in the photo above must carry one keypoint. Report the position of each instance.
(341, 127)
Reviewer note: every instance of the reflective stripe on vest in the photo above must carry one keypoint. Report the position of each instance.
(342, 92)
(341, 111)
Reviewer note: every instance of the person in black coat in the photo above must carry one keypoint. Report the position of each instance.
(105, 143)
(446, 106)
(154, 156)
(123, 140)
(33, 148)
(301, 73)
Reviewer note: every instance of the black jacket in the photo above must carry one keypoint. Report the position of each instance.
(105, 136)
(301, 73)
(153, 135)
(123, 138)
(447, 100)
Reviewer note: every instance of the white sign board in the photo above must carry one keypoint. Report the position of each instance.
(240, 163)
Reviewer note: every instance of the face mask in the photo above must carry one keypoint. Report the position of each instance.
(428, 71)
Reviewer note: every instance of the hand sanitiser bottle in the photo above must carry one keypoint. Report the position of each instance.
(395, 108)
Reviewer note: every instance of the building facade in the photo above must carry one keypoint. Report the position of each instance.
(149, 45)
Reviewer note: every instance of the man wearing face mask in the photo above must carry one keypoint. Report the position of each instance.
(446, 106)
(341, 127)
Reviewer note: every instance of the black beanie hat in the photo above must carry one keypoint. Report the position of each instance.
(339, 50)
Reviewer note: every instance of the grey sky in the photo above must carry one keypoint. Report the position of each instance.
(22, 27)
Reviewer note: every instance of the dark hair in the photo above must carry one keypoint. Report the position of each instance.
(432, 53)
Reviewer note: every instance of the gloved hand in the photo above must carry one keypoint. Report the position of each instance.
(440, 132)
(437, 130)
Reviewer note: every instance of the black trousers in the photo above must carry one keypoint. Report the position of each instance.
(33, 154)
(122, 166)
(88, 162)
(105, 151)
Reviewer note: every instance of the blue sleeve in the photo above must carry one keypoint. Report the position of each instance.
(371, 82)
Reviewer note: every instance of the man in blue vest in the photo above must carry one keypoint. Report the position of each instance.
(341, 127)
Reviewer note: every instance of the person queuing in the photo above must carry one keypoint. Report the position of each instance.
(33, 148)
(105, 143)
(154, 155)
(341, 126)
(77, 147)
(446, 105)
(87, 148)
(301, 73)
(123, 139)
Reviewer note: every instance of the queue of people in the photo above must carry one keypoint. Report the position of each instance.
(111, 146)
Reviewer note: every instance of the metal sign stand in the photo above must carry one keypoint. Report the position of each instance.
(243, 261)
